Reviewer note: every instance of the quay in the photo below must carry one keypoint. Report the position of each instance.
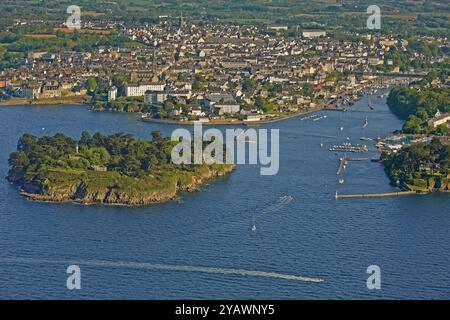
(377, 195)
(348, 147)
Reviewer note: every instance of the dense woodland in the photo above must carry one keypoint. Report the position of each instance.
(115, 169)
(417, 106)
(420, 165)
(119, 152)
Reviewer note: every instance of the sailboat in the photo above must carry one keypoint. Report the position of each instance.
(253, 223)
(366, 123)
(370, 103)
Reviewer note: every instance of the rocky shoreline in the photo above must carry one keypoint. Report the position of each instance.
(59, 101)
(112, 195)
(233, 122)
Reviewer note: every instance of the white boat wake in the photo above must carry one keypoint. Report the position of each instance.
(164, 267)
(281, 202)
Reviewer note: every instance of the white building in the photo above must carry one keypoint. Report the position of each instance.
(439, 119)
(112, 94)
(139, 90)
(159, 97)
(227, 107)
(277, 28)
(313, 33)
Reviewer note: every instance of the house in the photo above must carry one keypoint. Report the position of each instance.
(143, 76)
(98, 168)
(139, 90)
(313, 33)
(277, 28)
(152, 97)
(112, 93)
(50, 90)
(230, 107)
(439, 119)
(253, 118)
(79, 90)
(31, 91)
(197, 111)
(36, 55)
(375, 61)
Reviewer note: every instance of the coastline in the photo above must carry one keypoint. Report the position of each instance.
(84, 100)
(79, 192)
(235, 122)
(60, 101)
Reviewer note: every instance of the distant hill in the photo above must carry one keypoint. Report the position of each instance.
(326, 13)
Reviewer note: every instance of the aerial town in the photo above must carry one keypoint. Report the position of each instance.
(221, 150)
(181, 72)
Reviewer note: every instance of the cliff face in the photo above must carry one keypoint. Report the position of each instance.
(143, 192)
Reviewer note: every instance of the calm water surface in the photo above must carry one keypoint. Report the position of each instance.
(313, 236)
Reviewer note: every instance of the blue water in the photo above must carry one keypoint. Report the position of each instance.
(312, 236)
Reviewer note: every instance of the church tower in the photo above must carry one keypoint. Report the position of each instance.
(154, 65)
(181, 21)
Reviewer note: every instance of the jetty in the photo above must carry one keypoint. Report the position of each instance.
(376, 195)
(348, 147)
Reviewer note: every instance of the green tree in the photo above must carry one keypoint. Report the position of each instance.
(91, 85)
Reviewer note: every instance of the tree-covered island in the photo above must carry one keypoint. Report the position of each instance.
(115, 169)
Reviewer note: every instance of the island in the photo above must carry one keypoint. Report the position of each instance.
(116, 169)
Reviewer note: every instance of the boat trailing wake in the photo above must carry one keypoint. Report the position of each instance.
(164, 267)
(281, 202)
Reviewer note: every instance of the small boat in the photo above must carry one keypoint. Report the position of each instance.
(320, 118)
(370, 103)
(342, 128)
(366, 123)
(254, 227)
(341, 181)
